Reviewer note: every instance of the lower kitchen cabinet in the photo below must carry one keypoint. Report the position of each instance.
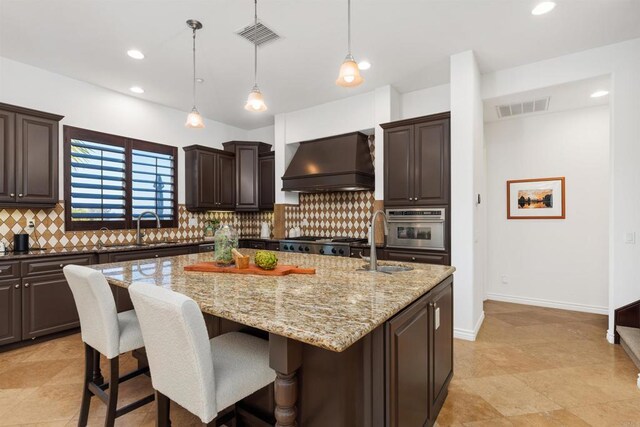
(10, 311)
(416, 256)
(419, 358)
(47, 306)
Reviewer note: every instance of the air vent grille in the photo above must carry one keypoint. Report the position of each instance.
(526, 107)
(263, 34)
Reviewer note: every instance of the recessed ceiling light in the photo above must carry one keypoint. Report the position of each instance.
(136, 89)
(364, 65)
(542, 8)
(135, 54)
(599, 93)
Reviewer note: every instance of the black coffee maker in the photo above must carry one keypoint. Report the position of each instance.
(21, 242)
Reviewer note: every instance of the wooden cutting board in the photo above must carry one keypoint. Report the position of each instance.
(280, 270)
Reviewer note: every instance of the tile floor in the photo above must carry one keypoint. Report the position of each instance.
(530, 366)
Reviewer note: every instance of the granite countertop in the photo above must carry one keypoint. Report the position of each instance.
(124, 247)
(118, 247)
(332, 309)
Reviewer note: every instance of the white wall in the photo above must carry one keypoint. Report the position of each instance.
(263, 134)
(622, 61)
(87, 106)
(427, 101)
(467, 179)
(557, 263)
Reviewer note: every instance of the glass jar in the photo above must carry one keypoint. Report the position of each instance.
(225, 239)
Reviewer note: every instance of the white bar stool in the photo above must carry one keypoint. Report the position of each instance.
(107, 332)
(206, 377)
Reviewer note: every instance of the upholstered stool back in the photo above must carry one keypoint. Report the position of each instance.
(178, 348)
(96, 308)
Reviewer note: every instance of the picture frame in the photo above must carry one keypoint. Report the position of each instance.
(538, 198)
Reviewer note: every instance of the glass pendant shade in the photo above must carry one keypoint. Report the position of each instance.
(194, 120)
(349, 73)
(255, 101)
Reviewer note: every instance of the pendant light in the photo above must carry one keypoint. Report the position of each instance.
(255, 101)
(349, 72)
(194, 119)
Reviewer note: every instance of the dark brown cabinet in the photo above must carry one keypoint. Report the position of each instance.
(247, 172)
(209, 179)
(419, 358)
(417, 256)
(266, 181)
(10, 311)
(149, 254)
(29, 164)
(417, 161)
(47, 306)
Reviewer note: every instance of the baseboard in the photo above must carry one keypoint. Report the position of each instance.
(467, 334)
(550, 304)
(611, 337)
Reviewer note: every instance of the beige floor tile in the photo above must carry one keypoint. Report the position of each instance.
(495, 422)
(514, 360)
(10, 397)
(31, 374)
(475, 367)
(462, 406)
(527, 318)
(46, 404)
(621, 413)
(561, 418)
(509, 395)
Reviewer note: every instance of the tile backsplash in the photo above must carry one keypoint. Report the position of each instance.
(50, 230)
(342, 214)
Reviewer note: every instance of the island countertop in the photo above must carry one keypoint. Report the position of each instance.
(331, 309)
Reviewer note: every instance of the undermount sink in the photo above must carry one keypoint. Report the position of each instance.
(389, 268)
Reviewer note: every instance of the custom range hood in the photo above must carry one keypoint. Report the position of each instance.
(335, 163)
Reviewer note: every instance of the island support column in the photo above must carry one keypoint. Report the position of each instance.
(285, 357)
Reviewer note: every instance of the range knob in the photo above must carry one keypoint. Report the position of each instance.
(341, 251)
(306, 248)
(333, 250)
(321, 251)
(300, 248)
(285, 247)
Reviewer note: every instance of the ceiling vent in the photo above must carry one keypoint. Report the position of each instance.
(527, 107)
(263, 34)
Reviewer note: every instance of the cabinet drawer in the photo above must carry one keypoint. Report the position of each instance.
(9, 270)
(426, 258)
(53, 265)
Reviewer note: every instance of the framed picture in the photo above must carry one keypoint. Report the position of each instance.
(541, 198)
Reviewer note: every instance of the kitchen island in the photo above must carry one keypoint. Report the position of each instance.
(350, 347)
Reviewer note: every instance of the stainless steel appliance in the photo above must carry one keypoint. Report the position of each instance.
(332, 246)
(417, 228)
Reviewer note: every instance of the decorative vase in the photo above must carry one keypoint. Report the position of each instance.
(225, 239)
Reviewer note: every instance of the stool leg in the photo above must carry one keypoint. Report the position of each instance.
(112, 404)
(163, 416)
(97, 377)
(86, 394)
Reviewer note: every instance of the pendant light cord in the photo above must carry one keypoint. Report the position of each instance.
(255, 43)
(194, 68)
(349, 25)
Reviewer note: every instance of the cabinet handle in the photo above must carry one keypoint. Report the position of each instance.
(61, 265)
(12, 195)
(156, 255)
(26, 285)
(17, 286)
(413, 258)
(410, 198)
(20, 195)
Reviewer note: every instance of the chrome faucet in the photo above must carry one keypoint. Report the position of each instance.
(100, 244)
(373, 257)
(138, 235)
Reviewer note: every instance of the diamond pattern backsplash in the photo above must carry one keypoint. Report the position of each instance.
(50, 230)
(344, 214)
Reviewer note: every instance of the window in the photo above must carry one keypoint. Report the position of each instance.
(110, 180)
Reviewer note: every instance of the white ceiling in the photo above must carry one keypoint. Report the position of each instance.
(563, 97)
(407, 41)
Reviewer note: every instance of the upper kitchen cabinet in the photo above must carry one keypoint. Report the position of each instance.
(247, 172)
(29, 163)
(266, 180)
(210, 179)
(417, 161)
